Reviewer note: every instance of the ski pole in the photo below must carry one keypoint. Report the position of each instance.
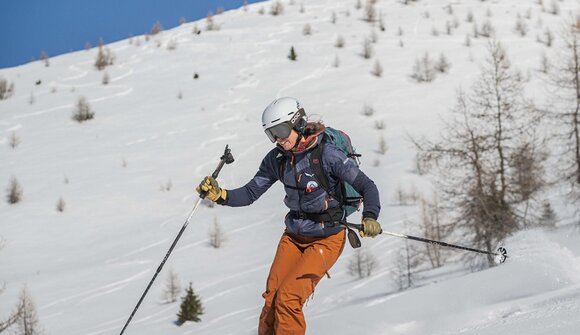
(501, 254)
(226, 158)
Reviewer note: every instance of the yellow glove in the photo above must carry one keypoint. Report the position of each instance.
(370, 227)
(211, 189)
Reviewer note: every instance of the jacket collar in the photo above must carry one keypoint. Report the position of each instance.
(308, 143)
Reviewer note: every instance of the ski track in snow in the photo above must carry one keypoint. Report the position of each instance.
(44, 111)
(314, 75)
(224, 138)
(91, 292)
(233, 231)
(102, 293)
(235, 276)
(80, 73)
(11, 127)
(69, 107)
(225, 292)
(53, 315)
(249, 72)
(248, 150)
(136, 251)
(539, 313)
(163, 315)
(15, 127)
(212, 322)
(156, 314)
(123, 89)
(113, 329)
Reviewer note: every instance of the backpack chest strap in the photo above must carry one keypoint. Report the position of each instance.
(330, 215)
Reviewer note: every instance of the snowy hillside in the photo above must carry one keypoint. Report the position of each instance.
(128, 176)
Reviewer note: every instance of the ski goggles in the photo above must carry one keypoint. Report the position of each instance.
(283, 130)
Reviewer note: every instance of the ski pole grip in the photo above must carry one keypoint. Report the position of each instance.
(353, 225)
(226, 158)
(359, 227)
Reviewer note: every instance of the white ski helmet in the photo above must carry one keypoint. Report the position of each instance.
(281, 116)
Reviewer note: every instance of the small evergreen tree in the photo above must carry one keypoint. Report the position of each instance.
(339, 42)
(368, 110)
(191, 308)
(60, 205)
(13, 192)
(292, 56)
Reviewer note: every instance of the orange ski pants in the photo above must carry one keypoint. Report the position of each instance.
(299, 264)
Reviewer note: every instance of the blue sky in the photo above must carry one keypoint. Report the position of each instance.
(61, 26)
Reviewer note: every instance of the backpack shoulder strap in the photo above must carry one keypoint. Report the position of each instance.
(280, 162)
(316, 166)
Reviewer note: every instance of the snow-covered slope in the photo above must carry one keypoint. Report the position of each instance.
(87, 266)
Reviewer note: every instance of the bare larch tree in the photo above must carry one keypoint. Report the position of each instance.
(172, 287)
(565, 84)
(489, 158)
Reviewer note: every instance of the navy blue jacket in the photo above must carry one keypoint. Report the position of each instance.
(303, 192)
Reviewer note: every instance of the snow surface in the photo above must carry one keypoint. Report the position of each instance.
(86, 267)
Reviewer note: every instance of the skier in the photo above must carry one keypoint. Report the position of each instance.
(313, 239)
